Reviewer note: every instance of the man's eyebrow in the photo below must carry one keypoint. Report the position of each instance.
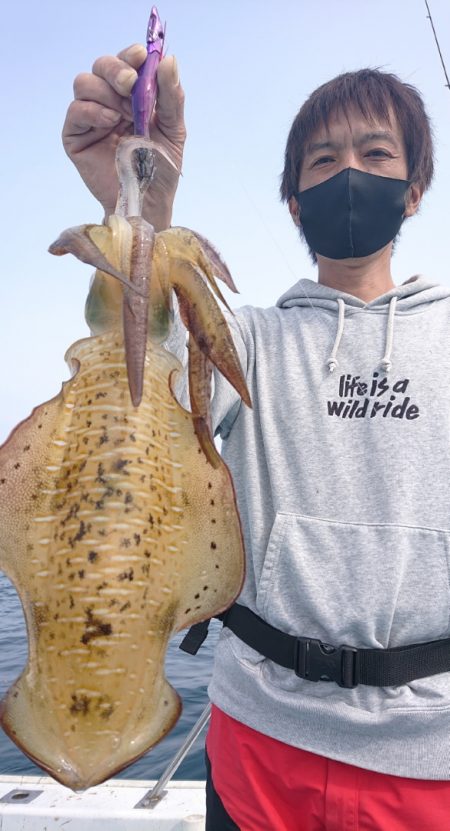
(376, 135)
(322, 145)
(384, 135)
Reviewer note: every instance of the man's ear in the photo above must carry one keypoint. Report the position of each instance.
(294, 210)
(412, 199)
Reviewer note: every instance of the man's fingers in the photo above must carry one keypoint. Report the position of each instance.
(117, 73)
(134, 55)
(87, 87)
(102, 103)
(86, 123)
(170, 102)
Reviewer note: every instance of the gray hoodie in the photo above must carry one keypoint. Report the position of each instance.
(343, 485)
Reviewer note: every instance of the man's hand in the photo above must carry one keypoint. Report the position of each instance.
(101, 114)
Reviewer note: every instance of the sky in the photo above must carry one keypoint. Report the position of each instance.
(246, 68)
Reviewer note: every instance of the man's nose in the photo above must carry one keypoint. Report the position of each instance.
(350, 158)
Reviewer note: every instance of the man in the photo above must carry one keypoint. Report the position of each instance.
(341, 474)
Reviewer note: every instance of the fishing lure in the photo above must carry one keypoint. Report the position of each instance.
(143, 96)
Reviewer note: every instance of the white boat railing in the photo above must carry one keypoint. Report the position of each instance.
(157, 793)
(34, 803)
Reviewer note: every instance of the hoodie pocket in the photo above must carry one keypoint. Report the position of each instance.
(367, 585)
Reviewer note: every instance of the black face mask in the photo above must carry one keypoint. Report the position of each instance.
(353, 214)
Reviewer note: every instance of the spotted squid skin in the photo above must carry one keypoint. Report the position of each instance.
(124, 533)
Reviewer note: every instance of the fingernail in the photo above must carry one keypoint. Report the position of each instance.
(136, 49)
(110, 115)
(126, 78)
(176, 77)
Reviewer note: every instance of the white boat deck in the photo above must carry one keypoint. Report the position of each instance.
(38, 803)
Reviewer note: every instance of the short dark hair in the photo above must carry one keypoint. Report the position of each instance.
(376, 94)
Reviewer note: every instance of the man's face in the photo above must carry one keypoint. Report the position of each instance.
(351, 141)
(372, 147)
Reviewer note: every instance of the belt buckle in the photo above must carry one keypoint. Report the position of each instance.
(318, 661)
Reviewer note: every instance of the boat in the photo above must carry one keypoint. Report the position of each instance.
(38, 803)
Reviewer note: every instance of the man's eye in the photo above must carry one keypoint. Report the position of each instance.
(323, 160)
(379, 152)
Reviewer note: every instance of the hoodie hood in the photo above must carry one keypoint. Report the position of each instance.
(409, 298)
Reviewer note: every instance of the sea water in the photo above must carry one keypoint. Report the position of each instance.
(188, 674)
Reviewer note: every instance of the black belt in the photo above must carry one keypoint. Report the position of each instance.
(314, 660)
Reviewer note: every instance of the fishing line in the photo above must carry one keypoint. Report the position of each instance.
(437, 44)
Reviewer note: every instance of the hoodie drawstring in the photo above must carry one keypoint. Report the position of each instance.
(332, 361)
(386, 363)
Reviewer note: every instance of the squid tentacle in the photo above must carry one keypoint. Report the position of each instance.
(185, 244)
(219, 266)
(204, 319)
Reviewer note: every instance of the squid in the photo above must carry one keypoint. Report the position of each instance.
(118, 517)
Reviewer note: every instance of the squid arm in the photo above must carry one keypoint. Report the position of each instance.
(80, 241)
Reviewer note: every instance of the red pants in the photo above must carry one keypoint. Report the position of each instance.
(266, 785)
